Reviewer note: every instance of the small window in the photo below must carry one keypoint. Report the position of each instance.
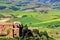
(17, 25)
(13, 26)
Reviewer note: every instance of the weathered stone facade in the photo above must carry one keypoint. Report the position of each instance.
(9, 30)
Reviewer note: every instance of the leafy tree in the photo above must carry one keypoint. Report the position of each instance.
(36, 31)
(20, 29)
(46, 34)
(44, 37)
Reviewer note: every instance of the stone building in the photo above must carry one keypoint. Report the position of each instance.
(9, 30)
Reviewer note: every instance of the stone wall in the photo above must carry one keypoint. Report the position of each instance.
(13, 27)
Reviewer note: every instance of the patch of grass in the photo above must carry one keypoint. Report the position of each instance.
(51, 22)
(37, 19)
(27, 20)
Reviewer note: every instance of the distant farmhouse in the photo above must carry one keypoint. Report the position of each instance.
(9, 30)
(42, 8)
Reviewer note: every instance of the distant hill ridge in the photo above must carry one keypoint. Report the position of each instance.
(30, 4)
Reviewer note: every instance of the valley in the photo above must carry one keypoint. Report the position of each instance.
(43, 15)
(49, 22)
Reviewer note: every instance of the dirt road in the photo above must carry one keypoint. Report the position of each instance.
(4, 20)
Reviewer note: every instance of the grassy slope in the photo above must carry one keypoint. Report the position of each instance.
(46, 23)
(37, 18)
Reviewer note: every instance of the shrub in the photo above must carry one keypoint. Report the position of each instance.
(8, 31)
(53, 26)
(24, 16)
(44, 37)
(36, 31)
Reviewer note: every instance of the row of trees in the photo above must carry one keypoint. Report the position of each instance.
(35, 34)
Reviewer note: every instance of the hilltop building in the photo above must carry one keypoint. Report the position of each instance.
(9, 30)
